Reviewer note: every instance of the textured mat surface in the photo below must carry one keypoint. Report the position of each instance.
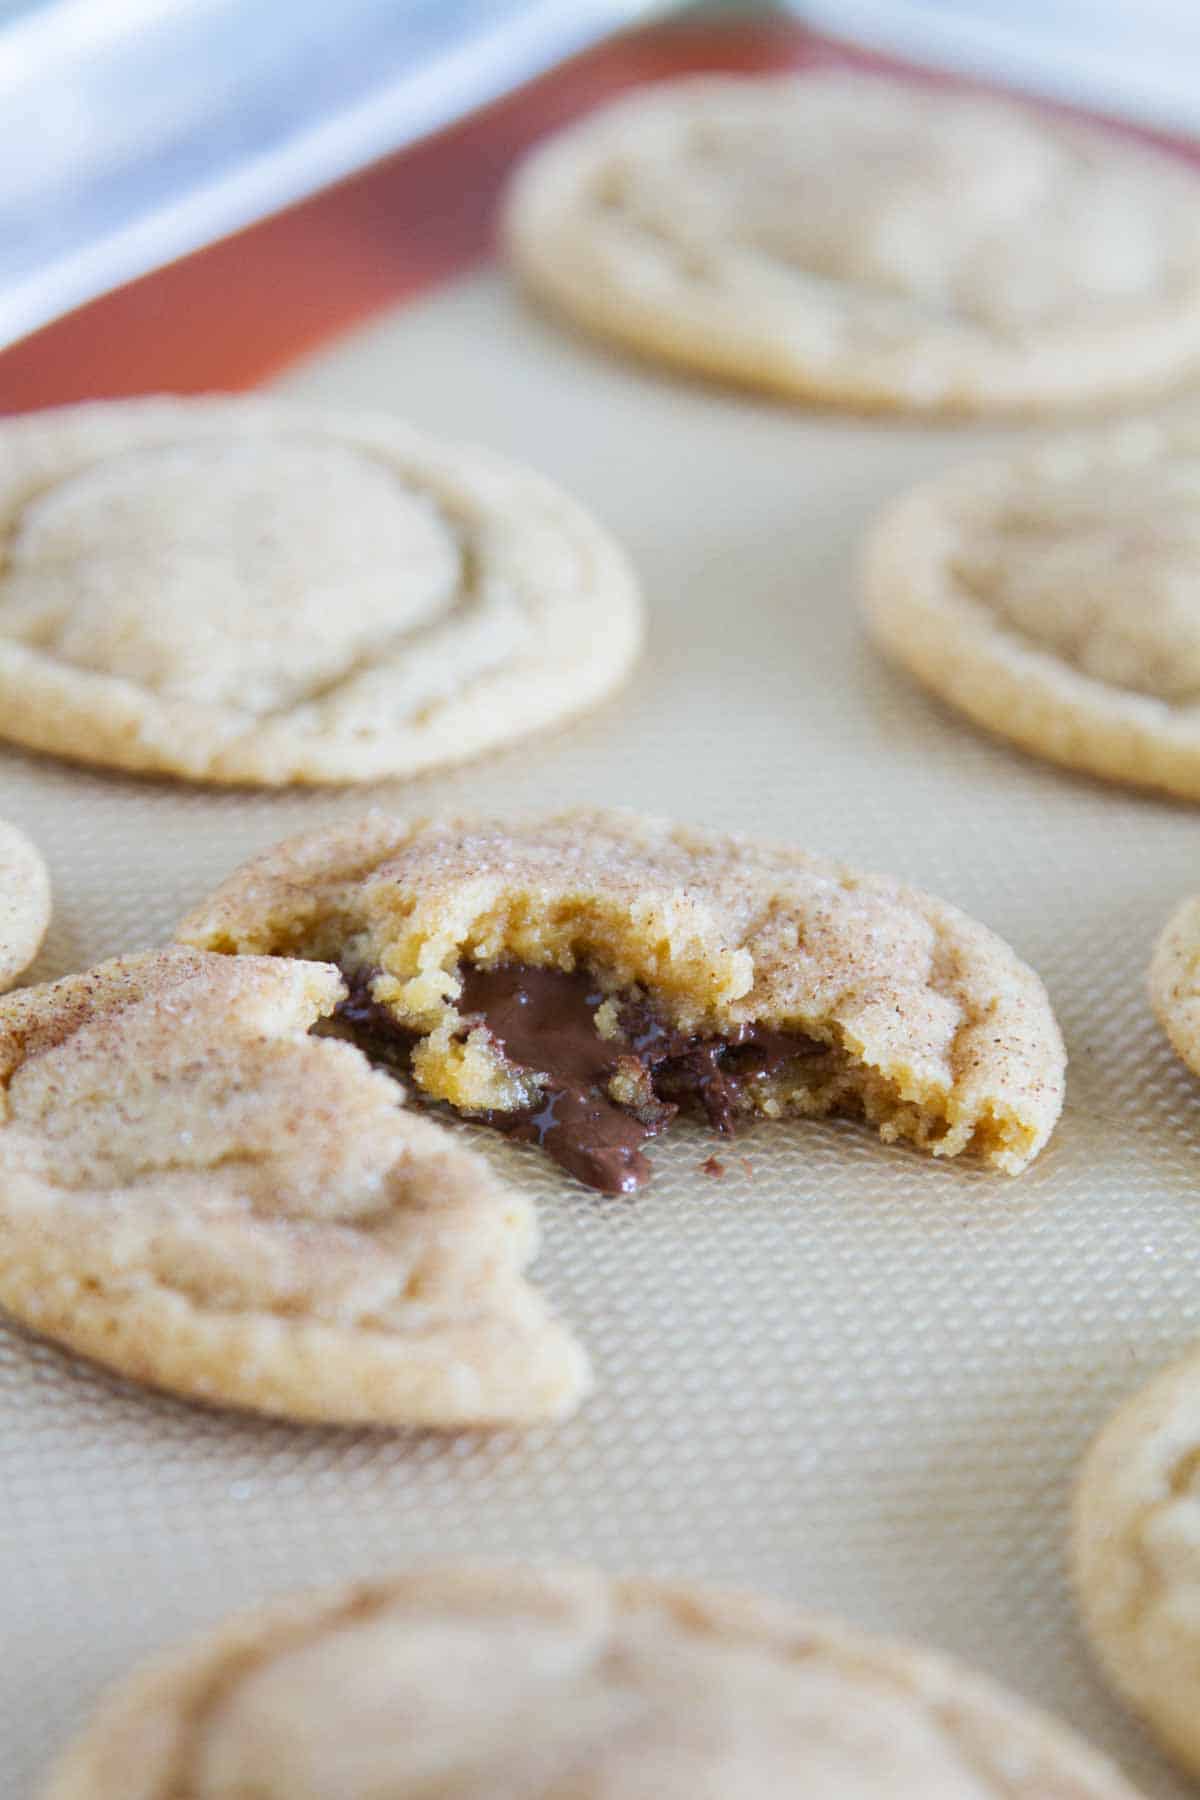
(841, 1373)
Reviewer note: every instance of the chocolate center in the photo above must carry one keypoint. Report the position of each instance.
(377, 1031)
(543, 1022)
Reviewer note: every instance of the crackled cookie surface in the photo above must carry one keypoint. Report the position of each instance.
(1055, 598)
(237, 591)
(562, 1684)
(200, 1194)
(577, 979)
(24, 903)
(1136, 1552)
(848, 238)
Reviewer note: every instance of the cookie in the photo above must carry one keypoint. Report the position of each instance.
(1175, 981)
(1051, 596)
(846, 238)
(200, 1194)
(237, 591)
(577, 979)
(1136, 1554)
(24, 903)
(546, 1683)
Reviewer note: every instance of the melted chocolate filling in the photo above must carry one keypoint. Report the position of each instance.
(543, 1021)
(374, 1027)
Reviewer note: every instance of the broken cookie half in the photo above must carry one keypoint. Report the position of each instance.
(200, 1194)
(579, 980)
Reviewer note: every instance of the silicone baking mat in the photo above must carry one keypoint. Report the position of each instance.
(839, 1372)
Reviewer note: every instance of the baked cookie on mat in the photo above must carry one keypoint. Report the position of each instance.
(198, 1193)
(1136, 1554)
(1054, 597)
(1175, 981)
(241, 591)
(576, 979)
(846, 238)
(546, 1683)
(24, 903)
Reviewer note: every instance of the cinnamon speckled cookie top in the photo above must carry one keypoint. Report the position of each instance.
(562, 1684)
(198, 1193)
(1055, 597)
(238, 591)
(929, 1024)
(867, 241)
(24, 903)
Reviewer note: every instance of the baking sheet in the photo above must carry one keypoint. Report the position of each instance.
(843, 1373)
